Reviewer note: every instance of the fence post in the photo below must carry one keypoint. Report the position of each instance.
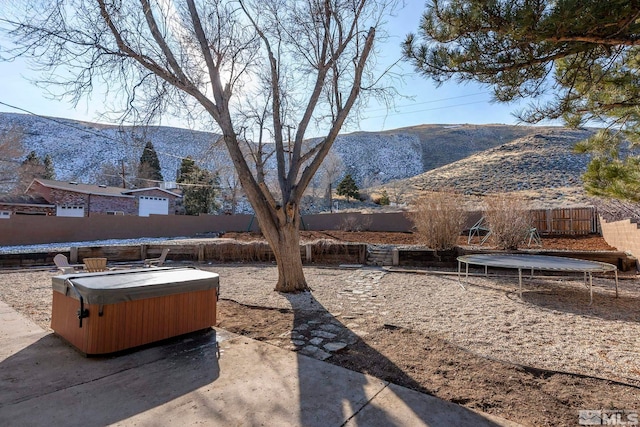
(395, 257)
(200, 252)
(73, 255)
(363, 254)
(308, 251)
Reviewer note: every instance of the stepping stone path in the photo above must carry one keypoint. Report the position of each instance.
(359, 304)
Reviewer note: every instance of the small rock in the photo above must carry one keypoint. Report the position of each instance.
(334, 346)
(316, 341)
(323, 334)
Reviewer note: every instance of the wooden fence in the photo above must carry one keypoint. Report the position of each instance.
(26, 229)
(567, 221)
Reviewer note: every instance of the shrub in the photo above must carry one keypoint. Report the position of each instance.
(509, 219)
(356, 222)
(384, 199)
(439, 219)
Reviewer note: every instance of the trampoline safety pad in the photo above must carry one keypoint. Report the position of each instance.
(540, 263)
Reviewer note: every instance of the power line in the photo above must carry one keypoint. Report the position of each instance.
(427, 109)
(433, 101)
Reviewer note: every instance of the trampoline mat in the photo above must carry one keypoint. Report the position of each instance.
(536, 262)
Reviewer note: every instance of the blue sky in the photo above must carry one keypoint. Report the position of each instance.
(447, 104)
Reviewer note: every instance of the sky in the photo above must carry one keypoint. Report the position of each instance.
(422, 102)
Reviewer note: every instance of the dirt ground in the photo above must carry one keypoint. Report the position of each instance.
(417, 354)
(430, 364)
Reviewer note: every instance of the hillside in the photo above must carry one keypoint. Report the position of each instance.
(542, 167)
(81, 150)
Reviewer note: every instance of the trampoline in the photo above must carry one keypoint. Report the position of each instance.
(538, 262)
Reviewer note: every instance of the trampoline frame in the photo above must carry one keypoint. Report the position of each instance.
(537, 262)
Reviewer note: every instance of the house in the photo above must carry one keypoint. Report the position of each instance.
(73, 199)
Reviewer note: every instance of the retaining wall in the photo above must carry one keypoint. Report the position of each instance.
(623, 235)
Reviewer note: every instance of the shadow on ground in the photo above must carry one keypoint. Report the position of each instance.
(50, 383)
(368, 399)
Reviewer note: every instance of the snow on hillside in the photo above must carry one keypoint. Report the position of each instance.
(371, 157)
(81, 150)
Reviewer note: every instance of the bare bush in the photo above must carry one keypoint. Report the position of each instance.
(509, 219)
(355, 223)
(439, 219)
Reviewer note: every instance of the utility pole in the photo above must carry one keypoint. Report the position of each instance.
(124, 181)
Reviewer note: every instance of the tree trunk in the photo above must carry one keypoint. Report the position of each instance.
(284, 239)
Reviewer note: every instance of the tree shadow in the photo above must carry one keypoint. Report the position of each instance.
(360, 399)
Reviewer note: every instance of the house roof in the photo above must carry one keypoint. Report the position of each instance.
(138, 190)
(24, 200)
(101, 190)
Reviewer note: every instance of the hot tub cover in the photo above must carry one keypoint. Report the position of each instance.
(117, 286)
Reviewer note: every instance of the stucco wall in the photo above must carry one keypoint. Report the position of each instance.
(623, 235)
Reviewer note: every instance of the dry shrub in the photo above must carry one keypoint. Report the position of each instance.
(326, 250)
(439, 219)
(239, 252)
(355, 223)
(509, 219)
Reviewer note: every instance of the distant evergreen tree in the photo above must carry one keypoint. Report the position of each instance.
(149, 167)
(199, 188)
(32, 160)
(348, 188)
(49, 171)
(384, 199)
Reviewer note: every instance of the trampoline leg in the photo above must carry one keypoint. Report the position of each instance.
(520, 281)
(616, 272)
(486, 271)
(590, 289)
(466, 275)
(466, 278)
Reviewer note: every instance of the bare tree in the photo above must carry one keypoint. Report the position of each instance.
(185, 55)
(11, 150)
(332, 169)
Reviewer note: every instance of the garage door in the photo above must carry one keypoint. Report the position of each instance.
(66, 210)
(153, 206)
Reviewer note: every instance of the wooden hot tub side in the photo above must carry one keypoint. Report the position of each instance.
(132, 322)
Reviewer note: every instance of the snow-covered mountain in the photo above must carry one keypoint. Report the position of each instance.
(80, 150)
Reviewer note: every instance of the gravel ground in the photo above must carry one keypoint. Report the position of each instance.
(552, 327)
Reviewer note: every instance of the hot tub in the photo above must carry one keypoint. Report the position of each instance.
(100, 313)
